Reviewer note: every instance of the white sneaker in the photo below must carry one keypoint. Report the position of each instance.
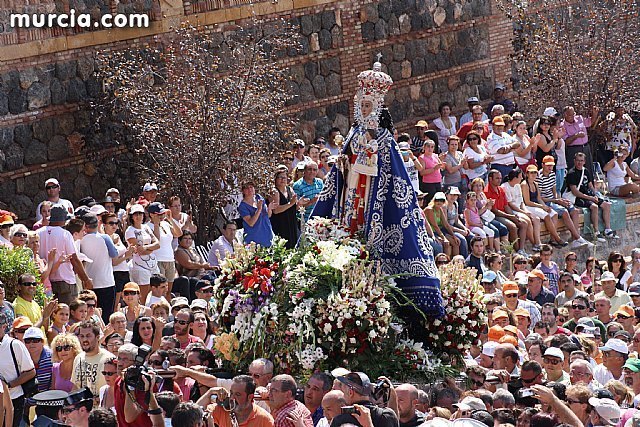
(599, 238)
(521, 252)
(578, 243)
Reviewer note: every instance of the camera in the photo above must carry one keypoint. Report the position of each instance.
(134, 374)
(299, 396)
(348, 410)
(526, 392)
(382, 390)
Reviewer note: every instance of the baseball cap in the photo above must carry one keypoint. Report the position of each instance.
(633, 364)
(624, 334)
(498, 121)
(548, 160)
(511, 329)
(112, 190)
(521, 277)
(489, 276)
(150, 186)
(608, 410)
(586, 321)
(51, 181)
(473, 99)
(615, 344)
(131, 286)
(454, 190)
(6, 218)
(339, 372)
(495, 333)
(422, 124)
(500, 86)
(499, 314)
(404, 145)
(625, 311)
(537, 273)
(179, 302)
(554, 352)
(522, 312)
(439, 196)
(298, 142)
(550, 111)
(157, 208)
(471, 403)
(608, 276)
(201, 284)
(634, 289)
(21, 322)
(98, 209)
(199, 303)
(357, 381)
(532, 168)
(489, 348)
(34, 332)
(509, 339)
(136, 208)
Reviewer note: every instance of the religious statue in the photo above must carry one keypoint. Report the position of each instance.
(370, 192)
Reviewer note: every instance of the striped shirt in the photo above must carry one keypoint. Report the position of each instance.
(44, 370)
(546, 184)
(304, 189)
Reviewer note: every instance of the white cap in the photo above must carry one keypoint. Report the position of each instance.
(467, 422)
(98, 209)
(608, 276)
(150, 186)
(199, 303)
(112, 190)
(489, 348)
(550, 111)
(33, 332)
(136, 208)
(615, 344)
(471, 403)
(473, 99)
(51, 181)
(339, 372)
(608, 410)
(554, 352)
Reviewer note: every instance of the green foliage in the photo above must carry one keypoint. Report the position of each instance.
(14, 263)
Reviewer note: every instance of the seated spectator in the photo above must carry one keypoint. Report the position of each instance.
(513, 193)
(534, 204)
(620, 175)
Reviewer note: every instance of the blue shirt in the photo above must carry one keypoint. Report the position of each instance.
(261, 232)
(304, 189)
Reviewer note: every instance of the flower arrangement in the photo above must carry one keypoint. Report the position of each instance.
(465, 315)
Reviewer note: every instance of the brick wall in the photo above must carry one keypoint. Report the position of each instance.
(435, 51)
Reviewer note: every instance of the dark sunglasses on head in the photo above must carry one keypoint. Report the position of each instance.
(65, 347)
(612, 334)
(29, 284)
(130, 293)
(477, 383)
(473, 139)
(572, 259)
(156, 362)
(528, 380)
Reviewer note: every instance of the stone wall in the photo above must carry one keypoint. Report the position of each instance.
(435, 50)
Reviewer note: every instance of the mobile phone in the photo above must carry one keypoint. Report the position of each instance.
(348, 410)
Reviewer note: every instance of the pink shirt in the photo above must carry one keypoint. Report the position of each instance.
(59, 238)
(430, 162)
(580, 124)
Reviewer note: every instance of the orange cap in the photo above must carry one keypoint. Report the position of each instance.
(537, 273)
(508, 339)
(498, 121)
(495, 333)
(548, 160)
(21, 322)
(511, 329)
(625, 311)
(522, 312)
(532, 168)
(499, 314)
(131, 286)
(510, 287)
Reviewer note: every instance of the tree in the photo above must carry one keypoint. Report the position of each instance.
(204, 111)
(580, 53)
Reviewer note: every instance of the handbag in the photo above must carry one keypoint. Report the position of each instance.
(30, 388)
(488, 215)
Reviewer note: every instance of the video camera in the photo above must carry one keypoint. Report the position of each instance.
(134, 374)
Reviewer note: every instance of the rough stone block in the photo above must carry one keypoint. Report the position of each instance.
(64, 125)
(306, 91)
(18, 101)
(405, 23)
(439, 16)
(417, 67)
(39, 96)
(22, 135)
(35, 153)
(66, 70)
(4, 104)
(406, 69)
(77, 90)
(399, 52)
(58, 148)
(393, 26)
(381, 30)
(310, 70)
(384, 10)
(314, 42)
(85, 68)
(328, 19)
(368, 31)
(6, 137)
(43, 129)
(22, 206)
(319, 87)
(333, 84)
(58, 92)
(369, 13)
(13, 157)
(324, 37)
(27, 78)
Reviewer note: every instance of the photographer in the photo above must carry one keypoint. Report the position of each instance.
(136, 407)
(237, 406)
(357, 392)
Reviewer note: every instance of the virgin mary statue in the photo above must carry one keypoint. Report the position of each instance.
(369, 191)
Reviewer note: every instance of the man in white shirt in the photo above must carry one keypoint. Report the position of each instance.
(468, 116)
(52, 187)
(63, 280)
(9, 370)
(614, 356)
(101, 250)
(223, 244)
(501, 145)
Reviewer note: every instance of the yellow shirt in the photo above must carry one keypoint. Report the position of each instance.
(28, 309)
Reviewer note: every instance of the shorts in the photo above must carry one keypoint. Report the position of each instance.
(539, 213)
(615, 190)
(64, 292)
(142, 276)
(560, 210)
(121, 278)
(584, 203)
(167, 269)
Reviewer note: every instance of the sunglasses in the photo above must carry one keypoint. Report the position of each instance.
(528, 380)
(473, 139)
(520, 262)
(477, 383)
(182, 322)
(32, 340)
(20, 234)
(258, 376)
(573, 401)
(65, 347)
(130, 293)
(6, 226)
(551, 361)
(68, 410)
(207, 290)
(612, 334)
(20, 331)
(113, 222)
(572, 259)
(91, 305)
(108, 374)
(51, 187)
(29, 284)
(579, 307)
(289, 159)
(156, 362)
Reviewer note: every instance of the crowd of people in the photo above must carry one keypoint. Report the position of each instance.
(127, 333)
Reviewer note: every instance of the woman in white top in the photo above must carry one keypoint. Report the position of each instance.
(183, 220)
(513, 192)
(111, 223)
(617, 172)
(144, 263)
(476, 157)
(445, 125)
(524, 154)
(165, 230)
